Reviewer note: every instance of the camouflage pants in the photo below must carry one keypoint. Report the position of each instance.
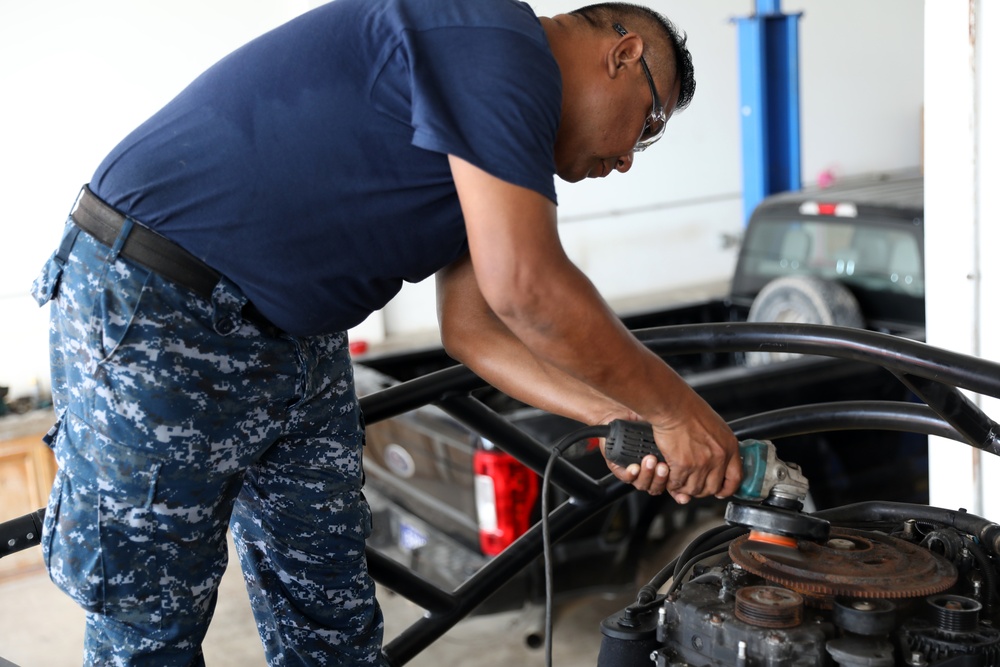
(178, 418)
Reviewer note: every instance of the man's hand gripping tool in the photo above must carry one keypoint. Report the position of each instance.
(765, 477)
(774, 491)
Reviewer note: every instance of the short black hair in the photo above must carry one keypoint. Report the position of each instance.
(606, 14)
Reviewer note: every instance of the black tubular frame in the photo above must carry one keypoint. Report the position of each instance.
(933, 374)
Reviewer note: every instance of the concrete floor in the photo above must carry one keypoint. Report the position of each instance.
(41, 627)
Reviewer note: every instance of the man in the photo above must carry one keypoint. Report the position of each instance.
(205, 281)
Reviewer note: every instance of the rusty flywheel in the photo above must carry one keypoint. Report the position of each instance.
(850, 563)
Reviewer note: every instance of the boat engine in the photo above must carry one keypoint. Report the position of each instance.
(873, 585)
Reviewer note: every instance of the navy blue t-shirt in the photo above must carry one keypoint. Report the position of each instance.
(310, 166)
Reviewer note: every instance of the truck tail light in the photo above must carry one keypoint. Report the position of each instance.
(506, 491)
(843, 210)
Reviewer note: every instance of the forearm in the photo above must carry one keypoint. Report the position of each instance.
(501, 359)
(584, 339)
(475, 336)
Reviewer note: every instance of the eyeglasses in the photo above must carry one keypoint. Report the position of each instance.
(656, 121)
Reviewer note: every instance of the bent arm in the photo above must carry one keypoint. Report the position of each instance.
(473, 334)
(548, 305)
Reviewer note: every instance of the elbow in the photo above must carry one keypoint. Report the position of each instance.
(516, 300)
(454, 342)
(458, 335)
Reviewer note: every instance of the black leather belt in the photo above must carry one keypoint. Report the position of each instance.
(144, 246)
(155, 252)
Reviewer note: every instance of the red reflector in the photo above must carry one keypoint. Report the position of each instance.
(827, 209)
(357, 347)
(506, 491)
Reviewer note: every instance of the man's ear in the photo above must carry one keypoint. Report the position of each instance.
(625, 52)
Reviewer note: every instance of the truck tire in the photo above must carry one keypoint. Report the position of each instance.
(802, 300)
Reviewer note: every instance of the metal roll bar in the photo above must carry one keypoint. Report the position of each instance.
(933, 374)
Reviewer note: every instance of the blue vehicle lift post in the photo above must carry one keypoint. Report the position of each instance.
(769, 102)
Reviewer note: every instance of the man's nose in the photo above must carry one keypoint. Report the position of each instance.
(624, 163)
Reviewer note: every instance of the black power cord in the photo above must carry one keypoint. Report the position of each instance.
(557, 451)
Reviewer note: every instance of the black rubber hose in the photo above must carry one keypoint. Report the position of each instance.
(721, 549)
(695, 551)
(872, 511)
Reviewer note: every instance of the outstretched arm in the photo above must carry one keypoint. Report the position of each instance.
(473, 334)
(546, 303)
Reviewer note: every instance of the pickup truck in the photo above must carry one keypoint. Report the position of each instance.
(446, 497)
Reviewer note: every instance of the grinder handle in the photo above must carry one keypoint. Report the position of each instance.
(629, 442)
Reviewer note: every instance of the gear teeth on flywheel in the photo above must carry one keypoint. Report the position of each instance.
(866, 565)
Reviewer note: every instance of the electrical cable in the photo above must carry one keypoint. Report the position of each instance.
(707, 540)
(720, 549)
(557, 451)
(710, 543)
(710, 539)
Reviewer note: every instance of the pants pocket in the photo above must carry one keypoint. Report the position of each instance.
(52, 516)
(119, 298)
(99, 532)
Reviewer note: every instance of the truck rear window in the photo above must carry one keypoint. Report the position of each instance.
(872, 256)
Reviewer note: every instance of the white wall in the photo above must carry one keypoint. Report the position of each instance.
(77, 76)
(963, 222)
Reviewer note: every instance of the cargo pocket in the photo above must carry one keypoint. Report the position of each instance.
(52, 517)
(99, 540)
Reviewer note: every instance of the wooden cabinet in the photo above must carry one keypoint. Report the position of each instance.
(27, 469)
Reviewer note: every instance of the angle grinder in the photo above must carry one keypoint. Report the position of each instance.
(772, 491)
